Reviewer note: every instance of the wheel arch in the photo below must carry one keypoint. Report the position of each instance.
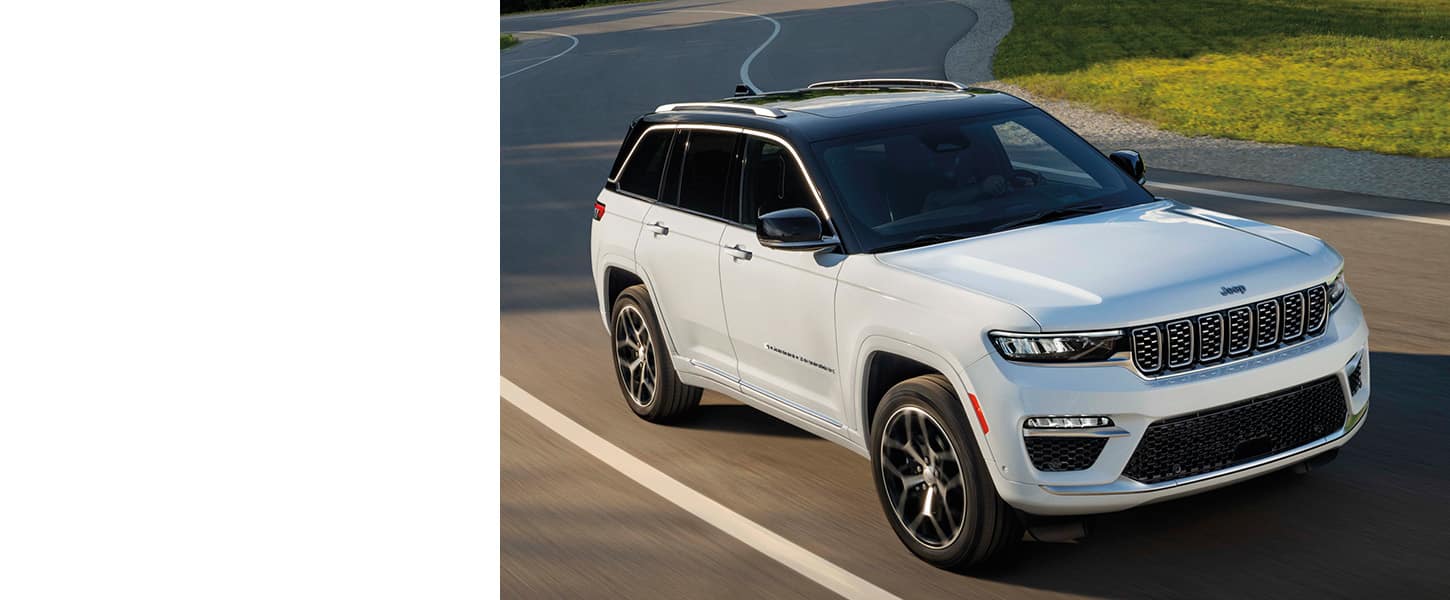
(616, 279)
(617, 275)
(883, 361)
(611, 275)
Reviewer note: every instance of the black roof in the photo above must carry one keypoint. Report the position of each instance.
(813, 114)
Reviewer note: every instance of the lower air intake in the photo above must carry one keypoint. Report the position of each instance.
(1231, 435)
(1064, 453)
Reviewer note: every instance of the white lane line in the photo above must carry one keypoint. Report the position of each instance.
(745, 66)
(574, 42)
(1309, 205)
(1265, 199)
(732, 523)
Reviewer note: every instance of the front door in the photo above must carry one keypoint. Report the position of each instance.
(780, 304)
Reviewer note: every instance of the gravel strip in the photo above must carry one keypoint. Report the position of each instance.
(969, 61)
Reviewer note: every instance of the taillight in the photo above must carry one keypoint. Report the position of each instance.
(598, 210)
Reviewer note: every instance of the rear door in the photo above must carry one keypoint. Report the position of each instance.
(780, 304)
(679, 246)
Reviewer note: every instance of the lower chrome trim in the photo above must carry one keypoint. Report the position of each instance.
(1086, 432)
(718, 372)
(748, 387)
(745, 385)
(1128, 486)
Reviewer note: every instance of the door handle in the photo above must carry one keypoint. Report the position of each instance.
(658, 228)
(737, 252)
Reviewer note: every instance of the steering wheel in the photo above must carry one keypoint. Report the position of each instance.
(1022, 179)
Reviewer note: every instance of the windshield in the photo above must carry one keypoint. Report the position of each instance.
(953, 179)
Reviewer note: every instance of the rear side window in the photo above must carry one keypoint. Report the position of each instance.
(705, 173)
(642, 172)
(771, 180)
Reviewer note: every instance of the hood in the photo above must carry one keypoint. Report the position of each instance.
(1124, 267)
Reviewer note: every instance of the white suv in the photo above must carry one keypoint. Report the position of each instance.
(952, 283)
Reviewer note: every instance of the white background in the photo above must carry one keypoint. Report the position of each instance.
(248, 299)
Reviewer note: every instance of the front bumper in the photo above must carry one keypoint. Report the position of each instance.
(1011, 392)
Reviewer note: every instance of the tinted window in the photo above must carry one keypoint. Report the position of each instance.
(705, 173)
(771, 180)
(921, 184)
(642, 172)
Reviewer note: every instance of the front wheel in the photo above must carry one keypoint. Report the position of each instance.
(932, 481)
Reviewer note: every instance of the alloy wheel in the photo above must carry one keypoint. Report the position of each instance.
(634, 356)
(923, 477)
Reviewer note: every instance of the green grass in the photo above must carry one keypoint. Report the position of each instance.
(1359, 74)
(507, 40)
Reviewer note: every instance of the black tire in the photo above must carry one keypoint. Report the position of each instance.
(651, 387)
(988, 530)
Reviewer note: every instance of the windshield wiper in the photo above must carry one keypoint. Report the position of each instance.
(925, 240)
(1051, 214)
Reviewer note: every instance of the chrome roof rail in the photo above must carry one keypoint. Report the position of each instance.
(759, 111)
(918, 83)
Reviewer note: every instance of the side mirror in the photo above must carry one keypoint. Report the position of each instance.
(792, 229)
(1130, 162)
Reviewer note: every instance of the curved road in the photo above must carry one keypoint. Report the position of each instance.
(1374, 523)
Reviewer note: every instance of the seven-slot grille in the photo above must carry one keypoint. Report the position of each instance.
(1263, 326)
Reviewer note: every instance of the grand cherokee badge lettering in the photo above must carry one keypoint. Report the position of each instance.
(1231, 290)
(801, 358)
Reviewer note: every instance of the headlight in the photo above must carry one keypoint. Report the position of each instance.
(1336, 289)
(1057, 347)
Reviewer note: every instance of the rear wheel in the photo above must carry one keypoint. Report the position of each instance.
(642, 361)
(932, 481)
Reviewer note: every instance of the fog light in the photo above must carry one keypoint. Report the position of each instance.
(1067, 422)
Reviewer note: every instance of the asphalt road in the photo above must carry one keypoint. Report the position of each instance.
(1374, 523)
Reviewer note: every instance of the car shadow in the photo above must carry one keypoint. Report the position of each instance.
(738, 418)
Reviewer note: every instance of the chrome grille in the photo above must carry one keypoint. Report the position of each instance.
(1293, 322)
(1148, 349)
(1316, 302)
(1240, 330)
(1180, 344)
(1187, 343)
(1210, 337)
(1266, 323)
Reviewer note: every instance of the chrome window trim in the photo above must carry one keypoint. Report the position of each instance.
(810, 181)
(614, 178)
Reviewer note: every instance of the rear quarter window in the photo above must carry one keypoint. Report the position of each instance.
(646, 165)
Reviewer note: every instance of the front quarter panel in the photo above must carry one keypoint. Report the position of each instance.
(881, 308)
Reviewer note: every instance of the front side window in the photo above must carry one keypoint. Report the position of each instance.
(642, 173)
(704, 173)
(954, 179)
(772, 180)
